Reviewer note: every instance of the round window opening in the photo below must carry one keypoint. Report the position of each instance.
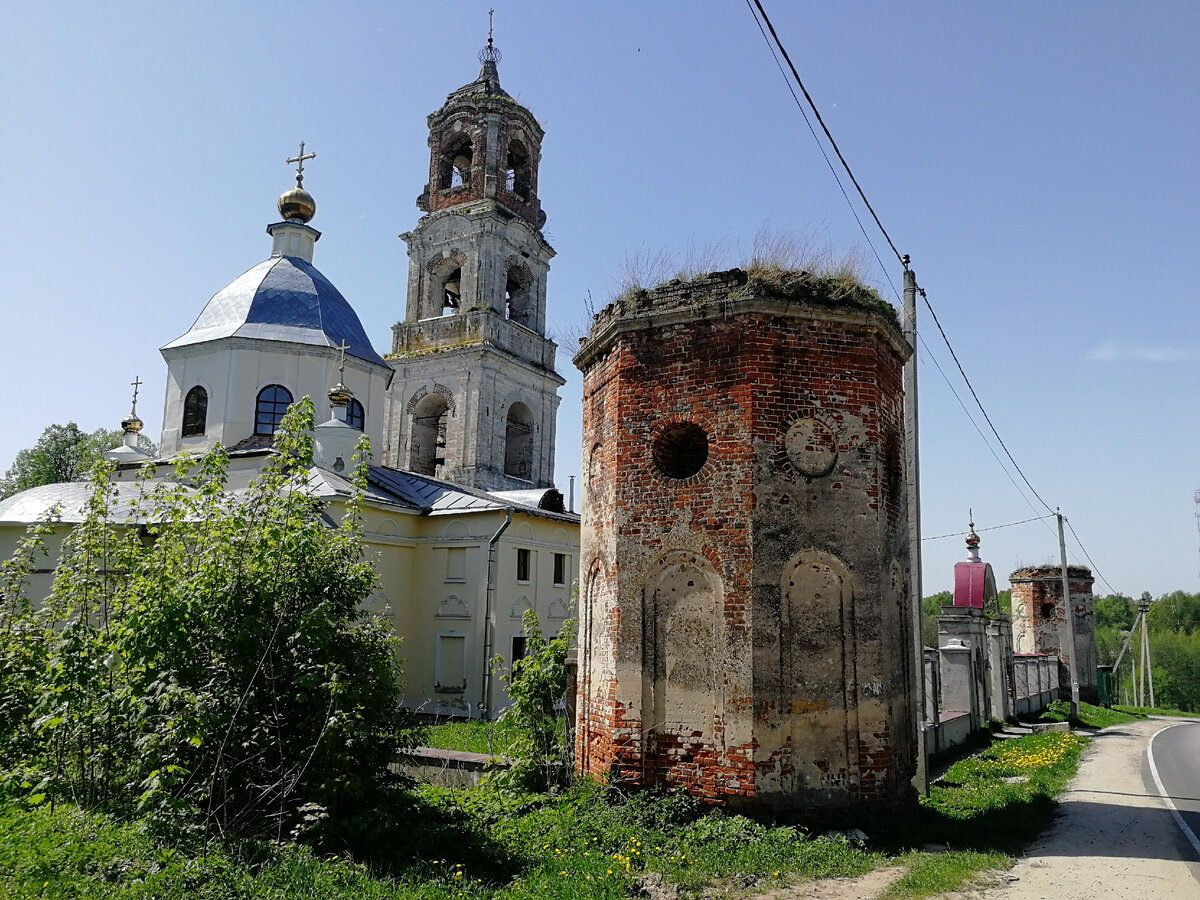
(681, 450)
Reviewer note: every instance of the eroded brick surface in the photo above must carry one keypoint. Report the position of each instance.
(1039, 620)
(744, 627)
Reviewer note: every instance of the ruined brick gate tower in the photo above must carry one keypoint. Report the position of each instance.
(744, 624)
(1039, 619)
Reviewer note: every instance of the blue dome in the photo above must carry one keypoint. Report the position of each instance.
(282, 299)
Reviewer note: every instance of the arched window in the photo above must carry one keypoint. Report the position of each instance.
(195, 412)
(427, 449)
(456, 165)
(273, 402)
(452, 293)
(517, 295)
(356, 416)
(518, 442)
(518, 171)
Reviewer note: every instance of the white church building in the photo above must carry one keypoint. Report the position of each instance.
(462, 519)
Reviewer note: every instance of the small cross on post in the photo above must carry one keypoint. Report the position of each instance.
(342, 360)
(299, 161)
(135, 384)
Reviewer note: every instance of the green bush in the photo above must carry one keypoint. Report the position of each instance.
(203, 658)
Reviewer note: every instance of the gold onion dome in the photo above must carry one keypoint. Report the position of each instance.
(297, 205)
(339, 395)
(131, 423)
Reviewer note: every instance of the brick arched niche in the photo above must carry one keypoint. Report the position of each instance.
(818, 680)
(682, 684)
(589, 728)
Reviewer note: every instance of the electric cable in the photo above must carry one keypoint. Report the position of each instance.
(821, 147)
(938, 537)
(766, 19)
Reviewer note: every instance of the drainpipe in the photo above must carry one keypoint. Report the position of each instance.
(485, 687)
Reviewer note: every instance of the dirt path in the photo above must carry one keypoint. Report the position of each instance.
(1113, 839)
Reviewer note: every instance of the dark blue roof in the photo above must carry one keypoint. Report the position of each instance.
(285, 299)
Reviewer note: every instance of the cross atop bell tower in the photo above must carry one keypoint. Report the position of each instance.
(476, 394)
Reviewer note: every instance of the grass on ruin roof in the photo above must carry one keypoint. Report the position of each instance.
(780, 264)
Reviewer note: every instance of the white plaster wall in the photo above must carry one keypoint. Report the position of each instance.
(234, 370)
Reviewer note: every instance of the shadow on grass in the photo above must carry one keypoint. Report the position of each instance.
(410, 836)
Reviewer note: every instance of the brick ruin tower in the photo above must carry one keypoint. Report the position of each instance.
(1039, 619)
(744, 622)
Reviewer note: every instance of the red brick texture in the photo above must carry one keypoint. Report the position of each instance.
(1039, 620)
(743, 629)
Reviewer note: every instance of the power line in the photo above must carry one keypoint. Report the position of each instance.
(845, 165)
(1088, 556)
(978, 402)
(966, 412)
(820, 146)
(774, 41)
(938, 537)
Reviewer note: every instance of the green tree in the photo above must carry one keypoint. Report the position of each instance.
(931, 608)
(535, 687)
(212, 667)
(62, 453)
(1177, 611)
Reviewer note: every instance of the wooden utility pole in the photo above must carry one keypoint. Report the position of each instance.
(1070, 617)
(912, 478)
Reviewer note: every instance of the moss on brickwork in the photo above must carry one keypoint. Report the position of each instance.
(832, 291)
(836, 290)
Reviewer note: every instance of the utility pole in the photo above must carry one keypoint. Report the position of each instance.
(1070, 617)
(912, 479)
(1147, 671)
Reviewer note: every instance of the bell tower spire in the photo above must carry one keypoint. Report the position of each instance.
(476, 394)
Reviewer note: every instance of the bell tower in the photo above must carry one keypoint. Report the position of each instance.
(475, 396)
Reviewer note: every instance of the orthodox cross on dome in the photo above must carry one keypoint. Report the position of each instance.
(299, 161)
(342, 359)
(135, 384)
(489, 54)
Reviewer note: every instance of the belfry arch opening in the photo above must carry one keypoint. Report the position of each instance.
(451, 292)
(427, 448)
(518, 174)
(456, 165)
(518, 442)
(518, 300)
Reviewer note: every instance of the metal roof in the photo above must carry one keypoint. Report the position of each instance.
(70, 500)
(282, 299)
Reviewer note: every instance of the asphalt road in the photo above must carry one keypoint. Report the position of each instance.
(1173, 758)
(1115, 837)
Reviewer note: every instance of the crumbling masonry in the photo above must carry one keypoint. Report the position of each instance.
(744, 623)
(1039, 622)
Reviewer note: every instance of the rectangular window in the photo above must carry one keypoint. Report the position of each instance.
(560, 569)
(523, 564)
(456, 563)
(518, 650)
(450, 664)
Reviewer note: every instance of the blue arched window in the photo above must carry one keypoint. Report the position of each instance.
(195, 412)
(356, 416)
(273, 402)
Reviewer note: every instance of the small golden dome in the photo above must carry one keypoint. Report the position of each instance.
(297, 205)
(340, 395)
(131, 423)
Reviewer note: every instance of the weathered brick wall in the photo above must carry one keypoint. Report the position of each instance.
(1039, 619)
(744, 628)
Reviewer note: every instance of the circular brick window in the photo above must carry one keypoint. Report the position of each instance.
(681, 450)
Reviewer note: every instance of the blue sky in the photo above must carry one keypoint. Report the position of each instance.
(1036, 160)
